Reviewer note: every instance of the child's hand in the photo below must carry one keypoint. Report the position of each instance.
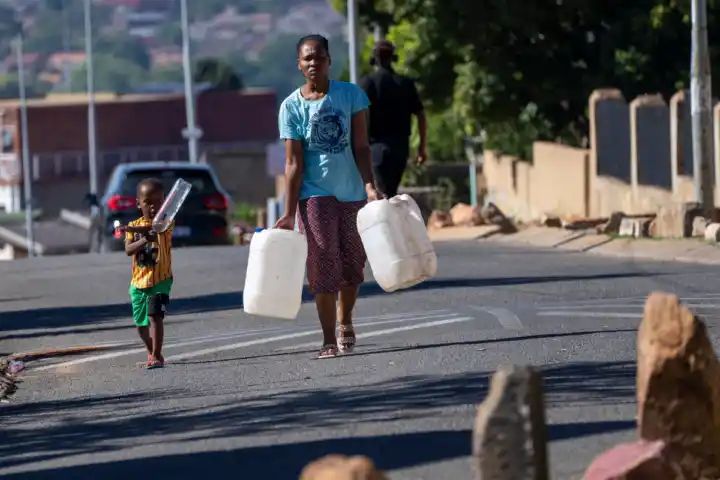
(151, 236)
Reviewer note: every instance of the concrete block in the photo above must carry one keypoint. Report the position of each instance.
(678, 392)
(510, 439)
(629, 227)
(712, 232)
(699, 225)
(675, 220)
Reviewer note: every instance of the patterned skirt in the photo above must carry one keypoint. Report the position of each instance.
(336, 257)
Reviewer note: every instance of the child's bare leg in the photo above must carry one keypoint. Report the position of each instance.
(144, 333)
(158, 332)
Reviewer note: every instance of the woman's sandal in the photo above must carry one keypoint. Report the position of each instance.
(346, 338)
(328, 351)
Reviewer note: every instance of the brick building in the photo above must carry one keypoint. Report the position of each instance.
(237, 127)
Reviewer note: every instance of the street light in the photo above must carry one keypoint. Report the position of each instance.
(27, 179)
(192, 133)
(352, 39)
(701, 108)
(474, 153)
(92, 142)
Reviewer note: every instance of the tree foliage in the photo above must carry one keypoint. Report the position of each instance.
(124, 46)
(218, 73)
(523, 69)
(110, 75)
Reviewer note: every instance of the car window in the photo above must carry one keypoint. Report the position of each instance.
(200, 180)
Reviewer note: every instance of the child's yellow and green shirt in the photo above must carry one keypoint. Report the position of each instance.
(157, 264)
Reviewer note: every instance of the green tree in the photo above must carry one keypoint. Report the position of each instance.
(110, 75)
(173, 74)
(523, 69)
(218, 73)
(9, 87)
(123, 46)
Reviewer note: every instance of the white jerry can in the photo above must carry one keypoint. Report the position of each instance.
(396, 242)
(275, 274)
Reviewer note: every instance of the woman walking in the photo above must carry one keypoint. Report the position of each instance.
(329, 178)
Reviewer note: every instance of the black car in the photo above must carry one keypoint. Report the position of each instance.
(202, 220)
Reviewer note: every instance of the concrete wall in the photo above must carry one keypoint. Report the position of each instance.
(640, 159)
(556, 183)
(501, 178)
(650, 142)
(610, 134)
(560, 180)
(681, 147)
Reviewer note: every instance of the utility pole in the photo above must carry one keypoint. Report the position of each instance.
(701, 108)
(352, 39)
(192, 133)
(27, 178)
(92, 142)
(378, 32)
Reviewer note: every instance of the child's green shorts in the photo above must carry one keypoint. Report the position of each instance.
(149, 301)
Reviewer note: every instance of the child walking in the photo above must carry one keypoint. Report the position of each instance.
(152, 276)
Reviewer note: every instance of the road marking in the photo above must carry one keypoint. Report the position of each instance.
(214, 338)
(505, 317)
(402, 315)
(133, 351)
(400, 320)
(640, 306)
(597, 302)
(589, 314)
(362, 335)
(235, 346)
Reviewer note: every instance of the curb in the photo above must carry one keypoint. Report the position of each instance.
(675, 250)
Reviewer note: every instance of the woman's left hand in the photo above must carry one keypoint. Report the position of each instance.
(372, 193)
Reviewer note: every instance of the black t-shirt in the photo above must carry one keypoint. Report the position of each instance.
(393, 100)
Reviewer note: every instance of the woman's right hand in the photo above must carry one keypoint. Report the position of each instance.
(286, 222)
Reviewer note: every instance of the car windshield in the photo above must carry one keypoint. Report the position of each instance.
(200, 180)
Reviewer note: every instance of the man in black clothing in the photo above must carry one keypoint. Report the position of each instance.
(393, 101)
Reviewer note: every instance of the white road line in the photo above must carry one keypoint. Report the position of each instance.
(599, 301)
(505, 317)
(400, 320)
(637, 306)
(589, 314)
(209, 351)
(235, 346)
(133, 351)
(398, 317)
(361, 335)
(402, 315)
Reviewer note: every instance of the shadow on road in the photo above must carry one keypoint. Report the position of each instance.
(93, 315)
(286, 461)
(111, 424)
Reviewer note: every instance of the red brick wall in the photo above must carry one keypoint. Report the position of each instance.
(223, 116)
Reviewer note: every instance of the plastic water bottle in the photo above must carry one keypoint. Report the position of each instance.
(171, 205)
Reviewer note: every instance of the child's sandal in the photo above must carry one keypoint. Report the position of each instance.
(346, 338)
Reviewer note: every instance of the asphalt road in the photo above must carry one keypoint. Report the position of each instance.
(244, 397)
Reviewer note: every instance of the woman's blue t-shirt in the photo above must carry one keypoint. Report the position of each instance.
(325, 128)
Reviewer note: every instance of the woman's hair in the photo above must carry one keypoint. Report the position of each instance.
(314, 38)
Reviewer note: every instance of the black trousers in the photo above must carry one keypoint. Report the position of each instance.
(389, 160)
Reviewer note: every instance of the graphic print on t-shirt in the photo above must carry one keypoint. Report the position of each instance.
(328, 133)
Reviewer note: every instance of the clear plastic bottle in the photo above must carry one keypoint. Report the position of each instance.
(171, 205)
